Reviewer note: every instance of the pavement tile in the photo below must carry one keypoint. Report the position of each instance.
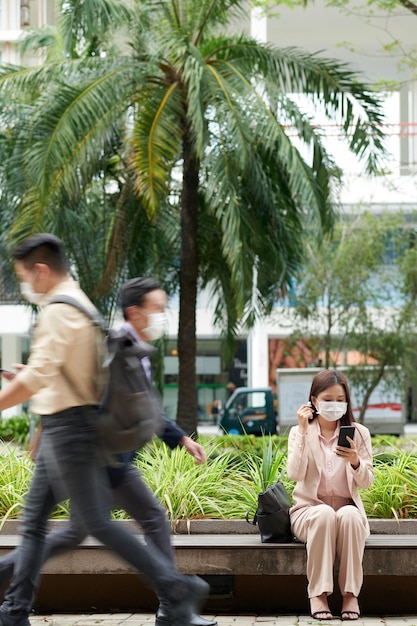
(148, 619)
(277, 620)
(307, 619)
(132, 619)
(289, 619)
(54, 620)
(241, 620)
(98, 620)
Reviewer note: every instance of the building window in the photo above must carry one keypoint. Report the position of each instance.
(24, 13)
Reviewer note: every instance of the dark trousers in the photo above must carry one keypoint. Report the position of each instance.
(68, 466)
(133, 496)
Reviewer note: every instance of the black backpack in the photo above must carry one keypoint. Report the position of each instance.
(130, 411)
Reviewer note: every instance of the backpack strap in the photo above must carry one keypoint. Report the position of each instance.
(93, 315)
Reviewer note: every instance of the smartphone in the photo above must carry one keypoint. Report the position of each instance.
(345, 431)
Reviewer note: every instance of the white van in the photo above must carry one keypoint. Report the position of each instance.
(385, 413)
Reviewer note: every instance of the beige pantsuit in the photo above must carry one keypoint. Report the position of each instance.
(328, 533)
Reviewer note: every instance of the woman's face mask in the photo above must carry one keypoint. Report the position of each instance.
(332, 411)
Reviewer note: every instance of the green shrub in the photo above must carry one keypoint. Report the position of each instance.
(15, 476)
(393, 493)
(227, 486)
(15, 429)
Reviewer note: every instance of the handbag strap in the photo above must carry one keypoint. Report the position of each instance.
(254, 521)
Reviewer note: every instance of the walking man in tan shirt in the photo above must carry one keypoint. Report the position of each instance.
(61, 376)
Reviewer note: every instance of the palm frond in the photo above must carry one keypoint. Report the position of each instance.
(156, 141)
(87, 24)
(331, 86)
(47, 38)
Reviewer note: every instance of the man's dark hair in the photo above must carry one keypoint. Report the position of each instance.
(133, 292)
(42, 248)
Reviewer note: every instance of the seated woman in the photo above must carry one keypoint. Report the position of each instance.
(328, 514)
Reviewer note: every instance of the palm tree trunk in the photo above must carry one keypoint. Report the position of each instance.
(187, 343)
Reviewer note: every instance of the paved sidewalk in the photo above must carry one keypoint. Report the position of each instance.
(148, 619)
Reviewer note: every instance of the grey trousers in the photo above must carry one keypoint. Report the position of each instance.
(67, 466)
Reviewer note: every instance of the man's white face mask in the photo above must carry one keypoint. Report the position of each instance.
(31, 296)
(157, 326)
(332, 411)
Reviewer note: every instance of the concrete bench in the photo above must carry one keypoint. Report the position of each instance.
(244, 573)
(232, 554)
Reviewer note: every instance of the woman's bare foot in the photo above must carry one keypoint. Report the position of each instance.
(319, 608)
(350, 607)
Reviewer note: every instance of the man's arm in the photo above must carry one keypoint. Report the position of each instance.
(174, 436)
(14, 393)
(172, 433)
(195, 449)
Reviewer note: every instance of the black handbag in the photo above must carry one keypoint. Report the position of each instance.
(272, 515)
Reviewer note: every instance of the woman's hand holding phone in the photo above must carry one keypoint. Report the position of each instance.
(346, 447)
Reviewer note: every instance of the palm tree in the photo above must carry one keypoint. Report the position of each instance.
(195, 123)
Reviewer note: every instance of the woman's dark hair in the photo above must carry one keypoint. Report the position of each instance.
(327, 378)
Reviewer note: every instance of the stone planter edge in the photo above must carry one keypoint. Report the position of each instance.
(236, 527)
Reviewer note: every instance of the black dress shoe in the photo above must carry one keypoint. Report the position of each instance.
(163, 619)
(197, 620)
(182, 610)
(13, 619)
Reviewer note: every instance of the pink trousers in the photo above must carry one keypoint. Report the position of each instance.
(328, 533)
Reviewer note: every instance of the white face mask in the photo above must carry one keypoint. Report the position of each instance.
(332, 411)
(31, 296)
(157, 326)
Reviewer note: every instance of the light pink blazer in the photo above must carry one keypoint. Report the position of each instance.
(304, 467)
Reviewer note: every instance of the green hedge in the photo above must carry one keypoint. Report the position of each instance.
(15, 429)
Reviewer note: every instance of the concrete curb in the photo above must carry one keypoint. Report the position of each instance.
(235, 527)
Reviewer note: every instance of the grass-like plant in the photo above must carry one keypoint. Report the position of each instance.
(393, 493)
(188, 490)
(260, 470)
(16, 470)
(15, 475)
(227, 486)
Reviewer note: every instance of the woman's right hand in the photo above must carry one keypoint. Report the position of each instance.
(304, 414)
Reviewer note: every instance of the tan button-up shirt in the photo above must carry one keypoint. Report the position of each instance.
(64, 340)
